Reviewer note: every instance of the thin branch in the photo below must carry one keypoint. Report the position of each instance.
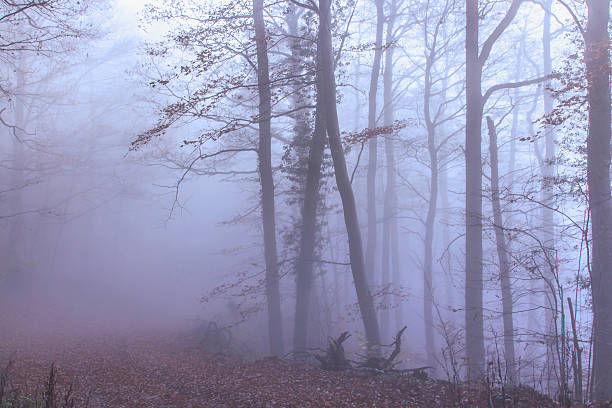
(357, 163)
(348, 25)
(569, 9)
(14, 128)
(22, 9)
(312, 6)
(190, 167)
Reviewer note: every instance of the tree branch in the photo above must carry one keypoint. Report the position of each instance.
(569, 9)
(501, 27)
(511, 85)
(14, 128)
(22, 8)
(312, 6)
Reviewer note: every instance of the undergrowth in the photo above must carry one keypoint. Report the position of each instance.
(51, 397)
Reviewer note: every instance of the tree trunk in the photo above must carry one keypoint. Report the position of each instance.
(576, 355)
(370, 254)
(431, 212)
(327, 89)
(308, 232)
(308, 187)
(549, 156)
(449, 280)
(16, 223)
(267, 184)
(390, 249)
(548, 169)
(597, 60)
(475, 60)
(474, 339)
(502, 254)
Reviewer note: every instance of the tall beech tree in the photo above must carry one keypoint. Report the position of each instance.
(476, 57)
(370, 253)
(305, 260)
(474, 340)
(264, 155)
(548, 167)
(502, 254)
(597, 61)
(546, 160)
(437, 38)
(390, 272)
(223, 70)
(327, 89)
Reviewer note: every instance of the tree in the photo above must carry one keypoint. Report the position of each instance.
(502, 254)
(475, 61)
(370, 253)
(597, 61)
(327, 89)
(549, 137)
(390, 272)
(438, 44)
(223, 70)
(37, 38)
(42, 28)
(264, 154)
(305, 260)
(595, 81)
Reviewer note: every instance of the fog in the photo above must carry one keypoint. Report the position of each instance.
(95, 243)
(140, 190)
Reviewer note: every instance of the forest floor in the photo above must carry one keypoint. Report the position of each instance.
(157, 370)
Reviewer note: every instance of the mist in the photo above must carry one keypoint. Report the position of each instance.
(391, 187)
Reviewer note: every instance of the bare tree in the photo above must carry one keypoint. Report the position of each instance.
(438, 43)
(370, 253)
(207, 105)
(502, 254)
(476, 57)
(390, 240)
(264, 154)
(44, 28)
(308, 227)
(327, 88)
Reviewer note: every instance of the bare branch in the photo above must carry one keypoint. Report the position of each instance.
(312, 6)
(569, 9)
(511, 85)
(501, 27)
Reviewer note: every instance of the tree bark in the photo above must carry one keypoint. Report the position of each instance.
(476, 57)
(597, 61)
(502, 254)
(370, 254)
(308, 232)
(549, 156)
(548, 170)
(390, 246)
(430, 219)
(15, 245)
(576, 355)
(473, 206)
(266, 178)
(327, 89)
(307, 187)
(449, 294)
